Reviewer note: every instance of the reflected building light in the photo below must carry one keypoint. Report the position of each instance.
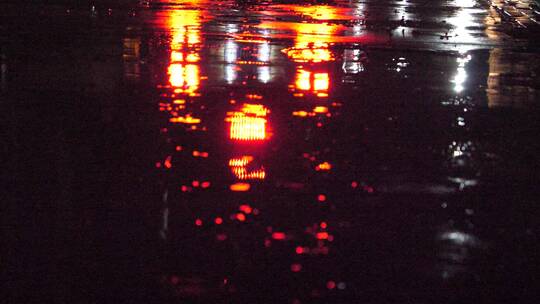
(176, 75)
(185, 79)
(264, 52)
(230, 73)
(310, 52)
(317, 83)
(353, 61)
(461, 75)
(185, 120)
(321, 81)
(303, 80)
(131, 55)
(357, 30)
(248, 124)
(263, 74)
(184, 74)
(239, 167)
(352, 67)
(231, 51)
(232, 28)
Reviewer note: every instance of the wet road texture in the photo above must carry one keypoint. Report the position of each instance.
(270, 152)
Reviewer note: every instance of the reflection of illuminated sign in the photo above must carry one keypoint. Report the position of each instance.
(240, 170)
(249, 123)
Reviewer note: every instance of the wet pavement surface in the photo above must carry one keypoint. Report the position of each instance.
(270, 152)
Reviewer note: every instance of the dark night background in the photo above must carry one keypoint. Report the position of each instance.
(426, 111)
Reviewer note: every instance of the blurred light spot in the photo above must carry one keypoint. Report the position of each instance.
(240, 187)
(296, 267)
(330, 284)
(241, 217)
(278, 235)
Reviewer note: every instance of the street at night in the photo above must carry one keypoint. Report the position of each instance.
(366, 151)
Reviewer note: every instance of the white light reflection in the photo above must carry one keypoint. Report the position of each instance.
(264, 52)
(461, 75)
(231, 51)
(352, 61)
(230, 73)
(263, 74)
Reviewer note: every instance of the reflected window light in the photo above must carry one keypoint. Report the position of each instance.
(321, 81)
(263, 74)
(192, 76)
(461, 76)
(232, 28)
(352, 67)
(231, 49)
(185, 79)
(264, 52)
(230, 73)
(303, 80)
(176, 75)
(193, 57)
(459, 79)
(177, 56)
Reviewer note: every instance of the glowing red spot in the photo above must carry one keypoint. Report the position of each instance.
(205, 184)
(369, 189)
(218, 221)
(321, 197)
(246, 209)
(296, 267)
(195, 183)
(330, 284)
(354, 184)
(278, 235)
(158, 165)
(185, 188)
(241, 217)
(221, 237)
(319, 124)
(322, 235)
(324, 225)
(178, 148)
(198, 222)
(267, 243)
(299, 250)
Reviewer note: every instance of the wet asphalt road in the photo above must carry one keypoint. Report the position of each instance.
(217, 151)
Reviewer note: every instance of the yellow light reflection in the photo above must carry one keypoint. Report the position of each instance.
(249, 123)
(185, 79)
(317, 83)
(321, 81)
(303, 80)
(184, 75)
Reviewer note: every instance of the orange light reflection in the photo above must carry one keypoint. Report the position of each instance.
(240, 170)
(249, 123)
